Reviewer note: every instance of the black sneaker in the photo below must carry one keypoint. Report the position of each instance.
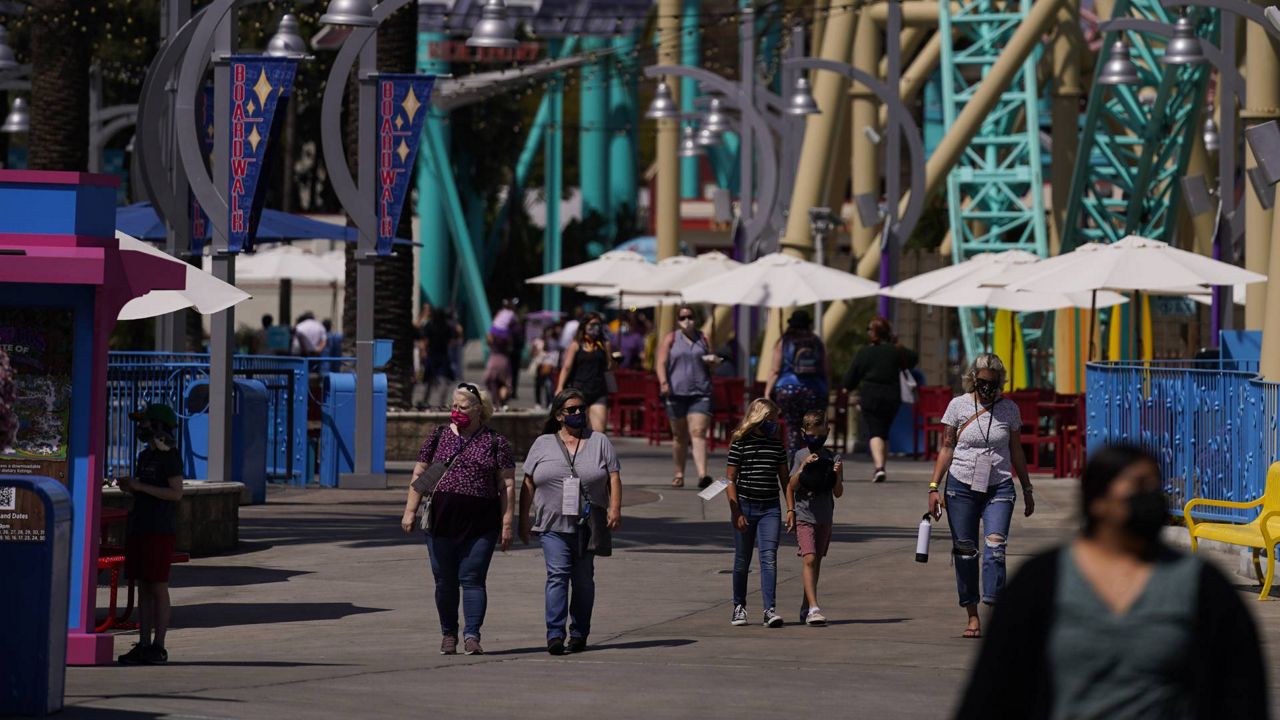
(555, 646)
(134, 656)
(155, 655)
(880, 476)
(739, 615)
(705, 482)
(772, 619)
(576, 645)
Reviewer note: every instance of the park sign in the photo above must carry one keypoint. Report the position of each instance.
(259, 85)
(403, 103)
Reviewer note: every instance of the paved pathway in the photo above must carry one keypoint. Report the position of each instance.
(326, 612)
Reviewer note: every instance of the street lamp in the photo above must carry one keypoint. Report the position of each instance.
(287, 42)
(715, 121)
(663, 106)
(1184, 48)
(493, 30)
(801, 101)
(822, 221)
(1120, 68)
(350, 13)
(19, 119)
(7, 60)
(708, 137)
(1212, 141)
(689, 143)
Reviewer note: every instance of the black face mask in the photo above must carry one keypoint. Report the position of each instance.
(986, 390)
(815, 442)
(144, 433)
(1147, 512)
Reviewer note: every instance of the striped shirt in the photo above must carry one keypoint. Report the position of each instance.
(758, 459)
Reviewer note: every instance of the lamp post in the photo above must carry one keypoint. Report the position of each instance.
(822, 221)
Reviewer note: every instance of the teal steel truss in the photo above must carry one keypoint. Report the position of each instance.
(1137, 139)
(995, 192)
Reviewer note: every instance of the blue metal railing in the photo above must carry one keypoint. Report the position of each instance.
(1212, 423)
(137, 378)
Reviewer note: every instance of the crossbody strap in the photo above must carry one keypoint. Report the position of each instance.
(977, 415)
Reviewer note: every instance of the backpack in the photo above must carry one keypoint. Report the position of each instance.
(806, 356)
(819, 476)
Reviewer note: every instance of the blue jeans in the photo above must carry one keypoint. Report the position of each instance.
(463, 563)
(764, 526)
(568, 566)
(964, 509)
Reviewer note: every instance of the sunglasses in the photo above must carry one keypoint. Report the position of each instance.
(573, 409)
(686, 317)
(471, 389)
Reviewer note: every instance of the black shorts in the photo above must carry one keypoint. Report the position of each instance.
(879, 408)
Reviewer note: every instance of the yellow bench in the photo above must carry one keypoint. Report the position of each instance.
(1262, 534)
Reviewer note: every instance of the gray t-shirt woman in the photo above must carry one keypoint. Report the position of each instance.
(594, 460)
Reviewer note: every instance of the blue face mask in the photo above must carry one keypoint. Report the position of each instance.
(575, 422)
(815, 442)
(769, 428)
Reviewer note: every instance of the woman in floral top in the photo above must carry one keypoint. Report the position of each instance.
(471, 512)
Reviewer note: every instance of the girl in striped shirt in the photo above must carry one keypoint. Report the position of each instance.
(757, 472)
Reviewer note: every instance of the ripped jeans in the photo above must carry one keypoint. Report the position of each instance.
(964, 509)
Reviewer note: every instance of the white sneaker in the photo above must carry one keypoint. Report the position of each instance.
(815, 617)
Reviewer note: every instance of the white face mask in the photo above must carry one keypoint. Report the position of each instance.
(159, 444)
(686, 324)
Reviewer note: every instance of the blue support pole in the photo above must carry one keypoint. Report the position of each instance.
(934, 128)
(724, 161)
(480, 317)
(593, 143)
(435, 263)
(622, 121)
(553, 156)
(691, 56)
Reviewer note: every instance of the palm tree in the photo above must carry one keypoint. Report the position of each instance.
(396, 280)
(60, 57)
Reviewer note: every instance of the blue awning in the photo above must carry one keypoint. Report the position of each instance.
(141, 221)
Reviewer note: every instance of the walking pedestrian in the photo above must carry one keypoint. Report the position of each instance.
(980, 454)
(588, 367)
(684, 366)
(151, 533)
(1115, 624)
(817, 479)
(466, 472)
(799, 380)
(502, 339)
(546, 365)
(573, 485)
(757, 472)
(874, 375)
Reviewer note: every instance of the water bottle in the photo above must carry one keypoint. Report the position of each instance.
(922, 539)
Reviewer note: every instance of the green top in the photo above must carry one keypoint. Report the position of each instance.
(1134, 666)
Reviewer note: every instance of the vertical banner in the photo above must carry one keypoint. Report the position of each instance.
(200, 230)
(258, 83)
(402, 107)
(35, 391)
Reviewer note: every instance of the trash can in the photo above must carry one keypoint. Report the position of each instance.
(35, 552)
(250, 402)
(338, 426)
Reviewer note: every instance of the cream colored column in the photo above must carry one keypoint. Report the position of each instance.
(815, 156)
(1068, 47)
(1262, 89)
(667, 202)
(865, 113)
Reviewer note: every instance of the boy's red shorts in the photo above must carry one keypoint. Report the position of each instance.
(147, 557)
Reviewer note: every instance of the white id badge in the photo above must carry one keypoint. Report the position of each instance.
(982, 471)
(714, 489)
(571, 502)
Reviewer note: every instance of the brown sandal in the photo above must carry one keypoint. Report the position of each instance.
(972, 634)
(677, 482)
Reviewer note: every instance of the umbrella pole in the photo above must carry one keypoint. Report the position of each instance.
(1093, 322)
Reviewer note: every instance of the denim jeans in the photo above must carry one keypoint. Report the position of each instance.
(463, 563)
(568, 566)
(764, 526)
(964, 509)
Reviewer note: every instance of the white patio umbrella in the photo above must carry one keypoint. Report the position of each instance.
(606, 270)
(983, 266)
(204, 292)
(287, 263)
(674, 274)
(779, 280)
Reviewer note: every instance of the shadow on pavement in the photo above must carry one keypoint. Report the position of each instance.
(189, 576)
(251, 663)
(880, 621)
(212, 615)
(634, 645)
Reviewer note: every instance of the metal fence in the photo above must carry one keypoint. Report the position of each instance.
(137, 378)
(1212, 424)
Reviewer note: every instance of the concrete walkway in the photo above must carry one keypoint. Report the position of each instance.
(327, 612)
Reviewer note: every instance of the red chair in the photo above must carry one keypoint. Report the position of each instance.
(627, 406)
(840, 421)
(927, 416)
(1028, 402)
(726, 410)
(656, 425)
(1071, 435)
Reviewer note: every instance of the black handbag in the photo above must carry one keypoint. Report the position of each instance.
(594, 535)
(818, 476)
